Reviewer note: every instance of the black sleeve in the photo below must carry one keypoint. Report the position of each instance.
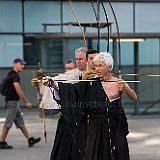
(15, 78)
(58, 101)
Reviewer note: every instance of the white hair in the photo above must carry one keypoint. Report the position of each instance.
(82, 49)
(105, 57)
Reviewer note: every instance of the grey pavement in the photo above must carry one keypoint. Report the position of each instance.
(144, 138)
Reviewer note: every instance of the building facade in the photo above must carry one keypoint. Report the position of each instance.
(42, 31)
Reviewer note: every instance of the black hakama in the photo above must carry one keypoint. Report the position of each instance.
(69, 143)
(107, 129)
(100, 137)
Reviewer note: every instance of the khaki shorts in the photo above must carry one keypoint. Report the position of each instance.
(13, 115)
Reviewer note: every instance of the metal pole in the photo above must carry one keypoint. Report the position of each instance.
(98, 19)
(61, 10)
(23, 27)
(136, 63)
(114, 45)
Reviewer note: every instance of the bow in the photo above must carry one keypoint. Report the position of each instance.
(83, 35)
(119, 46)
(112, 145)
(98, 23)
(36, 81)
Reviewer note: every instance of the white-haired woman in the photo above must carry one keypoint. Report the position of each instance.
(104, 65)
(108, 128)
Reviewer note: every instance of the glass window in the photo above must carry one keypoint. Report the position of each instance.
(103, 45)
(126, 50)
(127, 55)
(76, 43)
(49, 52)
(32, 50)
(10, 16)
(37, 13)
(52, 53)
(124, 14)
(149, 53)
(147, 17)
(73, 44)
(11, 47)
(84, 13)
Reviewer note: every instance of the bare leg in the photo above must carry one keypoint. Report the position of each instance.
(25, 132)
(31, 140)
(3, 143)
(4, 134)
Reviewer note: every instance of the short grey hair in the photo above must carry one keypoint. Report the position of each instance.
(70, 61)
(105, 57)
(82, 49)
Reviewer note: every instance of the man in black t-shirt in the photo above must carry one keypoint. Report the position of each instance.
(14, 93)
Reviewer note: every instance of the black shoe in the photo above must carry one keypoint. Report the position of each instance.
(32, 141)
(4, 145)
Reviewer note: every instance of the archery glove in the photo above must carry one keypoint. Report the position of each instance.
(88, 75)
(34, 82)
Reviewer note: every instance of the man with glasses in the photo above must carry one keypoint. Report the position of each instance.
(69, 65)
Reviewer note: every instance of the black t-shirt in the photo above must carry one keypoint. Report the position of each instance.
(11, 93)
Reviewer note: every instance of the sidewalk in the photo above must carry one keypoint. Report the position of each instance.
(144, 138)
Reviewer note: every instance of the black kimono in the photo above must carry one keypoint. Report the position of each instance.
(100, 137)
(69, 143)
(107, 129)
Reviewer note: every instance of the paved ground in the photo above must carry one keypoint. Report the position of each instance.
(144, 138)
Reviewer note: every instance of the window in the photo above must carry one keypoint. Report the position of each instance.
(11, 47)
(49, 52)
(149, 53)
(37, 13)
(10, 16)
(147, 17)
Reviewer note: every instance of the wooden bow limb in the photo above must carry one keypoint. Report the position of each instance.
(44, 123)
(41, 114)
(38, 78)
(83, 35)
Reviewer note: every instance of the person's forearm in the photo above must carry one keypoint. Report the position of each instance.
(22, 96)
(130, 93)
